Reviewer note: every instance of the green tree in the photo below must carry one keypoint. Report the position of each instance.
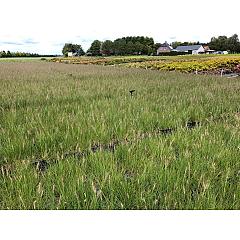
(74, 48)
(134, 45)
(233, 44)
(107, 47)
(220, 43)
(130, 48)
(120, 47)
(3, 54)
(9, 54)
(139, 48)
(176, 44)
(95, 49)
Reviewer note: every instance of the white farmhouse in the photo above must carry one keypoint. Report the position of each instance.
(70, 54)
(193, 49)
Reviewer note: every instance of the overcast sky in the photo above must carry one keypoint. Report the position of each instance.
(43, 26)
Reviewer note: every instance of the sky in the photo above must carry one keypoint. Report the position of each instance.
(43, 26)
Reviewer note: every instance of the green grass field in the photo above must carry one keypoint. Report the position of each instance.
(72, 137)
(24, 59)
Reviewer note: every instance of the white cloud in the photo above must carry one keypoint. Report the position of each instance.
(51, 23)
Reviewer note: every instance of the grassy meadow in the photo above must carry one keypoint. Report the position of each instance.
(73, 137)
(24, 59)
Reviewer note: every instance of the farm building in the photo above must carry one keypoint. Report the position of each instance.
(70, 54)
(208, 50)
(165, 47)
(193, 49)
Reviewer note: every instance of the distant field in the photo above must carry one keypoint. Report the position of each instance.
(23, 59)
(73, 137)
(203, 64)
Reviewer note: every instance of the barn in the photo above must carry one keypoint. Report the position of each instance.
(164, 48)
(192, 49)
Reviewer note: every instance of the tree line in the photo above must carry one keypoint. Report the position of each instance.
(141, 45)
(8, 54)
(122, 46)
(224, 43)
